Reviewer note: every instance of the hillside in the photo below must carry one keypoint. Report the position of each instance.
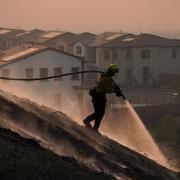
(60, 134)
(25, 159)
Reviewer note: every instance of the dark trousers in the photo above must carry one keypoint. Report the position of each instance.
(99, 110)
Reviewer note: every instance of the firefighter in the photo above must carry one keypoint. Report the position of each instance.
(105, 85)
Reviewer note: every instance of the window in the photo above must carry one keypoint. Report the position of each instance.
(115, 54)
(57, 99)
(75, 76)
(129, 76)
(128, 53)
(146, 73)
(145, 54)
(78, 50)
(61, 48)
(57, 71)
(29, 73)
(4, 44)
(106, 54)
(174, 53)
(43, 72)
(5, 72)
(91, 54)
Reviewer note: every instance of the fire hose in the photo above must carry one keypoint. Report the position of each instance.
(117, 88)
(48, 77)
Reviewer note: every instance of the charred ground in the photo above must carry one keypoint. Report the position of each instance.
(25, 159)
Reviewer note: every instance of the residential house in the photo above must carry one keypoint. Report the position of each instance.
(27, 37)
(63, 93)
(148, 63)
(82, 42)
(60, 40)
(68, 42)
(75, 44)
(16, 49)
(7, 36)
(93, 55)
(143, 59)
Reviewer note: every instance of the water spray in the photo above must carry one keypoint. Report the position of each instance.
(131, 112)
(137, 136)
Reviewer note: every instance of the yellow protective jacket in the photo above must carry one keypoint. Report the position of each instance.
(105, 84)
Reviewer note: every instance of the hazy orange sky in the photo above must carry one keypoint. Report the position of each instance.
(91, 15)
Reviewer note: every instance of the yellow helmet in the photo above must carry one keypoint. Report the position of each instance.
(113, 67)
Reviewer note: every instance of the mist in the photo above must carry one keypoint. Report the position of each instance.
(58, 132)
(33, 91)
(121, 126)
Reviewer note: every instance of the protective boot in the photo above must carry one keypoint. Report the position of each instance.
(96, 130)
(87, 123)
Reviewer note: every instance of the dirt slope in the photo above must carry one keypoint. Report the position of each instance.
(59, 133)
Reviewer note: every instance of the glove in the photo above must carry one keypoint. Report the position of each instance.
(92, 92)
(118, 92)
(116, 88)
(122, 95)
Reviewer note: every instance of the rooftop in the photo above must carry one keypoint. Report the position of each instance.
(21, 53)
(4, 31)
(85, 38)
(139, 40)
(22, 34)
(107, 37)
(129, 39)
(52, 34)
(114, 36)
(29, 52)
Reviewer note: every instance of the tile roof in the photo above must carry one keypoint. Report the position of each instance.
(23, 34)
(29, 36)
(85, 38)
(107, 37)
(51, 34)
(48, 36)
(28, 52)
(21, 54)
(141, 40)
(113, 36)
(16, 49)
(6, 32)
(68, 37)
(151, 39)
